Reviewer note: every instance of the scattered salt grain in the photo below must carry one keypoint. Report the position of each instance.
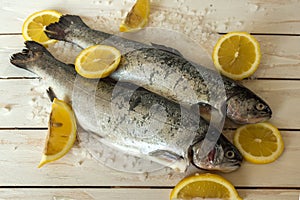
(6, 109)
(253, 7)
(61, 198)
(109, 2)
(239, 23)
(192, 23)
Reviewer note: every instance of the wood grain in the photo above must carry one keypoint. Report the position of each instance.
(252, 16)
(129, 194)
(24, 102)
(21, 152)
(280, 56)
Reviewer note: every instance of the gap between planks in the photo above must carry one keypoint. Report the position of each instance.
(268, 34)
(130, 194)
(21, 143)
(135, 187)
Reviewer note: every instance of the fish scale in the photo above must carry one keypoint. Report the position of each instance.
(167, 73)
(129, 118)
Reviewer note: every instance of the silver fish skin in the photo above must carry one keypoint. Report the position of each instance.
(129, 118)
(167, 73)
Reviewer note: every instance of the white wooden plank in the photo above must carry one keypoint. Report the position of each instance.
(24, 102)
(11, 44)
(259, 173)
(254, 16)
(15, 43)
(129, 194)
(269, 194)
(283, 97)
(20, 152)
(280, 55)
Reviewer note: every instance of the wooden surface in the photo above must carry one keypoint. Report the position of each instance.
(24, 106)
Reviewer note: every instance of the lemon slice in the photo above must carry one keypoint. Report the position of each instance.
(237, 55)
(61, 132)
(137, 17)
(34, 26)
(204, 186)
(97, 61)
(259, 143)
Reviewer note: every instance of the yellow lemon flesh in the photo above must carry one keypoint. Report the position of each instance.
(61, 132)
(237, 55)
(97, 61)
(204, 186)
(259, 143)
(34, 26)
(137, 17)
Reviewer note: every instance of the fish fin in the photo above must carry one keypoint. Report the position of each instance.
(51, 94)
(205, 111)
(170, 159)
(59, 30)
(168, 156)
(168, 49)
(32, 52)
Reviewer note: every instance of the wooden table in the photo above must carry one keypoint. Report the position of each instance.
(24, 111)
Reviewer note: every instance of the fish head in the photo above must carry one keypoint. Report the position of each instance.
(224, 156)
(247, 108)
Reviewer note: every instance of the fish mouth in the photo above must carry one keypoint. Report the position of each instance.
(260, 118)
(252, 120)
(230, 168)
(225, 168)
(212, 163)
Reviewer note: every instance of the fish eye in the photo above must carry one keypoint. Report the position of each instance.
(230, 154)
(260, 106)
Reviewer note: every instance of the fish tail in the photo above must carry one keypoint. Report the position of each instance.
(31, 53)
(59, 30)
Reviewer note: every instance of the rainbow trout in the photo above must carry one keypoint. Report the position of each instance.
(167, 73)
(131, 119)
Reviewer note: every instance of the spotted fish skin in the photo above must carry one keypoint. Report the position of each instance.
(130, 118)
(168, 74)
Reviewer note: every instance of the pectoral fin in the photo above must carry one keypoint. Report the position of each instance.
(169, 159)
(206, 110)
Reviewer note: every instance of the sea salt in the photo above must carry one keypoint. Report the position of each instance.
(253, 7)
(6, 109)
(191, 23)
(62, 198)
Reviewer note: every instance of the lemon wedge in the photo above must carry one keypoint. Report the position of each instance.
(97, 61)
(34, 26)
(237, 55)
(61, 132)
(259, 143)
(137, 17)
(204, 186)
